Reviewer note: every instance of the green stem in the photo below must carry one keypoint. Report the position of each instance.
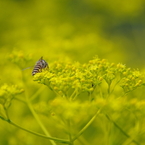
(109, 88)
(115, 86)
(33, 97)
(128, 136)
(38, 120)
(38, 134)
(86, 126)
(73, 95)
(21, 100)
(37, 93)
(83, 141)
(70, 132)
(69, 127)
(33, 112)
(90, 96)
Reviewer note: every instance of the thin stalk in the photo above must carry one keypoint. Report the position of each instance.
(115, 86)
(100, 92)
(75, 96)
(72, 95)
(69, 127)
(33, 97)
(21, 100)
(116, 125)
(83, 141)
(90, 96)
(38, 134)
(37, 93)
(109, 88)
(70, 132)
(33, 112)
(86, 126)
(38, 120)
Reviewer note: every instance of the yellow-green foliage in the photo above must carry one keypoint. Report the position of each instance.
(84, 98)
(7, 94)
(78, 100)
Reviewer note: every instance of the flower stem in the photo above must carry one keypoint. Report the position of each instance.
(116, 125)
(86, 126)
(70, 132)
(74, 94)
(38, 120)
(38, 134)
(37, 93)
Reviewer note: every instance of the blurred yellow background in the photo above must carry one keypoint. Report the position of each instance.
(74, 30)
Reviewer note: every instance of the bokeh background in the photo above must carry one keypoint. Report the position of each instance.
(75, 30)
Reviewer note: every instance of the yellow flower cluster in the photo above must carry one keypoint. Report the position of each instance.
(7, 93)
(20, 59)
(65, 77)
